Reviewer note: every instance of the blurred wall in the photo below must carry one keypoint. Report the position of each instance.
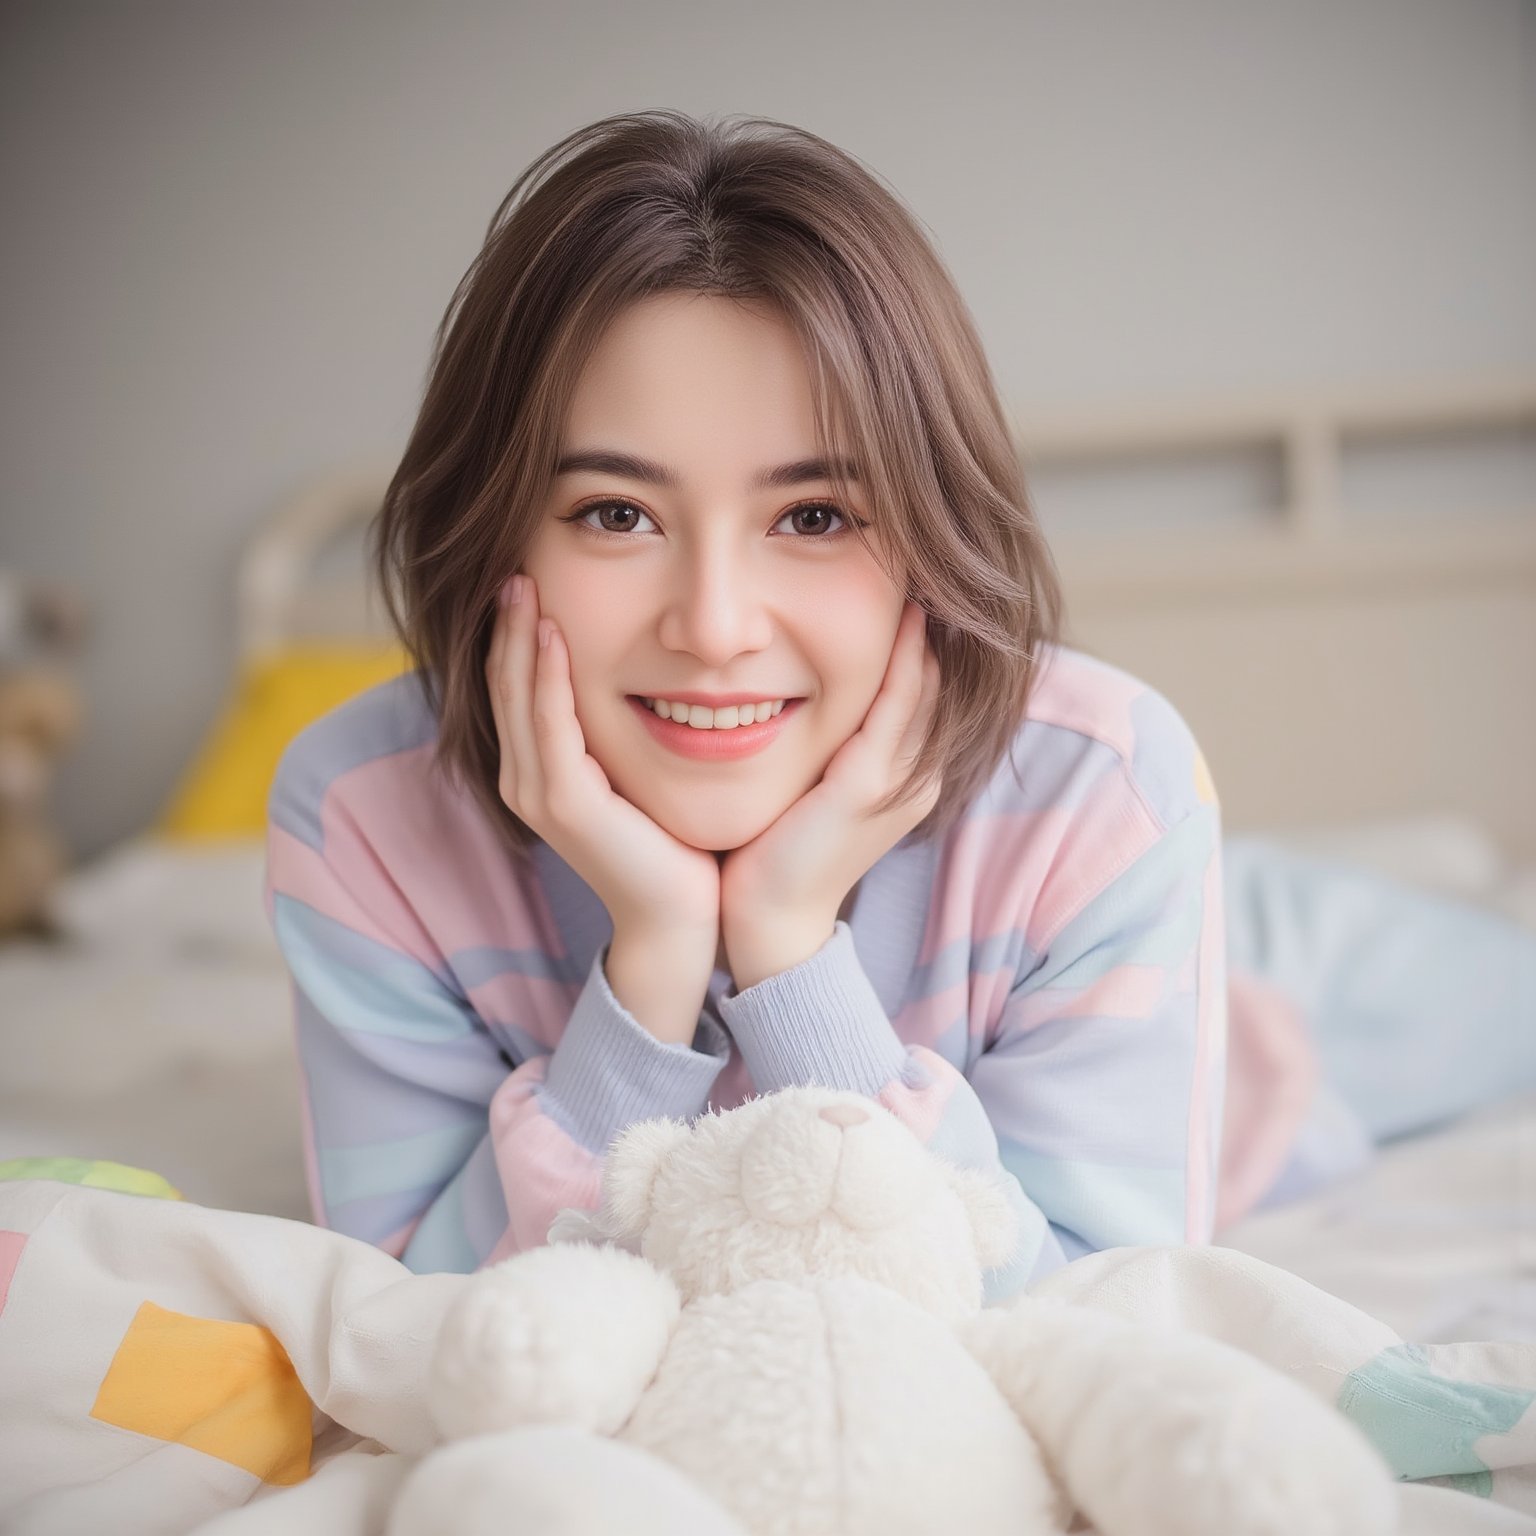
(232, 228)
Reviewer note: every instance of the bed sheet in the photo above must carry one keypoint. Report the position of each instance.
(1436, 1237)
(157, 1030)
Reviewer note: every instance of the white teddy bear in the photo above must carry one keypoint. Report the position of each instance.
(775, 1326)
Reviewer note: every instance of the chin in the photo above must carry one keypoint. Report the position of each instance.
(717, 835)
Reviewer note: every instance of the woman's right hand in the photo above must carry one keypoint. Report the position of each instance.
(652, 884)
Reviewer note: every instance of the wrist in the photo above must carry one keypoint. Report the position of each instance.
(824, 1025)
(768, 945)
(682, 946)
(661, 979)
(608, 1069)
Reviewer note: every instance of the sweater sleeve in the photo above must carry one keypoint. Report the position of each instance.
(1097, 1100)
(422, 1136)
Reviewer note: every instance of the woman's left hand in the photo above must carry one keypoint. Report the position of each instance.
(780, 893)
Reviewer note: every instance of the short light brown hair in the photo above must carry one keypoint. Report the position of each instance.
(754, 210)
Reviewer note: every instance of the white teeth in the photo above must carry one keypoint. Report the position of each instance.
(702, 718)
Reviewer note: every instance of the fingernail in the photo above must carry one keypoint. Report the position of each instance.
(544, 631)
(515, 590)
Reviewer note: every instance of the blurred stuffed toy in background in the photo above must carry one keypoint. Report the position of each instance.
(41, 630)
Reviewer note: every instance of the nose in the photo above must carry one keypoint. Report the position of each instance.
(722, 611)
(844, 1115)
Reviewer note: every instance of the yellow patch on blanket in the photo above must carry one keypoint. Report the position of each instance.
(227, 1389)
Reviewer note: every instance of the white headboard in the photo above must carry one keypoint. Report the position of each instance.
(305, 572)
(1353, 633)
(1338, 592)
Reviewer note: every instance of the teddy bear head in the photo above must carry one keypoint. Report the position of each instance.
(802, 1183)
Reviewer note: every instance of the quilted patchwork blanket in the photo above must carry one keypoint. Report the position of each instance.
(170, 1368)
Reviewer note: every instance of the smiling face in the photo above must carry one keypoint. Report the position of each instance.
(715, 583)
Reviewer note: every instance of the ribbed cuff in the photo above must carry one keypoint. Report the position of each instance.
(607, 1070)
(820, 1023)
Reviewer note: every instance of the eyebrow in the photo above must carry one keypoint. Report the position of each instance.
(609, 461)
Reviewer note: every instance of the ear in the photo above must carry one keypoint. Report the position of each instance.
(635, 1157)
(994, 1222)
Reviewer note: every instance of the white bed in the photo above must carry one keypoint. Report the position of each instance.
(157, 1033)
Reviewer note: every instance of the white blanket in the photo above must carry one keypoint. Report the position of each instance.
(168, 1368)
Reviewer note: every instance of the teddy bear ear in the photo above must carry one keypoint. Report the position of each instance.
(635, 1157)
(994, 1222)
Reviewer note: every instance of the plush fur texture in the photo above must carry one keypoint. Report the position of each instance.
(782, 1303)
(772, 1190)
(563, 1337)
(1194, 1437)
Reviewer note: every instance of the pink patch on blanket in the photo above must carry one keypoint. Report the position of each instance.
(11, 1244)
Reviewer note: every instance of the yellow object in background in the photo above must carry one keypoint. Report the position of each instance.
(224, 792)
(93, 1173)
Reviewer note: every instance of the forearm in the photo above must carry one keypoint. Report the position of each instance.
(661, 979)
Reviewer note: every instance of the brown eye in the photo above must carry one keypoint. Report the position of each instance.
(811, 519)
(816, 513)
(580, 515)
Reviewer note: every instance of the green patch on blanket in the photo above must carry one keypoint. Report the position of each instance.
(94, 1172)
(1426, 1424)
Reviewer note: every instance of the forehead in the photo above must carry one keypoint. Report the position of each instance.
(689, 379)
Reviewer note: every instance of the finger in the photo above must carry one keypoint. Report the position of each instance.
(561, 746)
(495, 663)
(902, 689)
(517, 687)
(922, 682)
(921, 717)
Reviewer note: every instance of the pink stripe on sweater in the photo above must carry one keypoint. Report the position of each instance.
(1210, 1054)
(442, 846)
(1049, 865)
(542, 1170)
(11, 1244)
(540, 1006)
(921, 1110)
(926, 1020)
(979, 893)
(1272, 1076)
(1127, 991)
(1075, 691)
(1055, 861)
(295, 869)
(1102, 839)
(399, 1240)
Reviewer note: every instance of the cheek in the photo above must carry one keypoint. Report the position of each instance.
(594, 620)
(589, 609)
(855, 632)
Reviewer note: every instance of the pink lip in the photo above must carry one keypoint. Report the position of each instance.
(713, 746)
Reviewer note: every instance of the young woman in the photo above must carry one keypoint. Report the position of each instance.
(743, 749)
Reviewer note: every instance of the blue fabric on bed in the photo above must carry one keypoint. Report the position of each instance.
(1421, 1007)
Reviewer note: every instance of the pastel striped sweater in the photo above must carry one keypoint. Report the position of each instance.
(1042, 991)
